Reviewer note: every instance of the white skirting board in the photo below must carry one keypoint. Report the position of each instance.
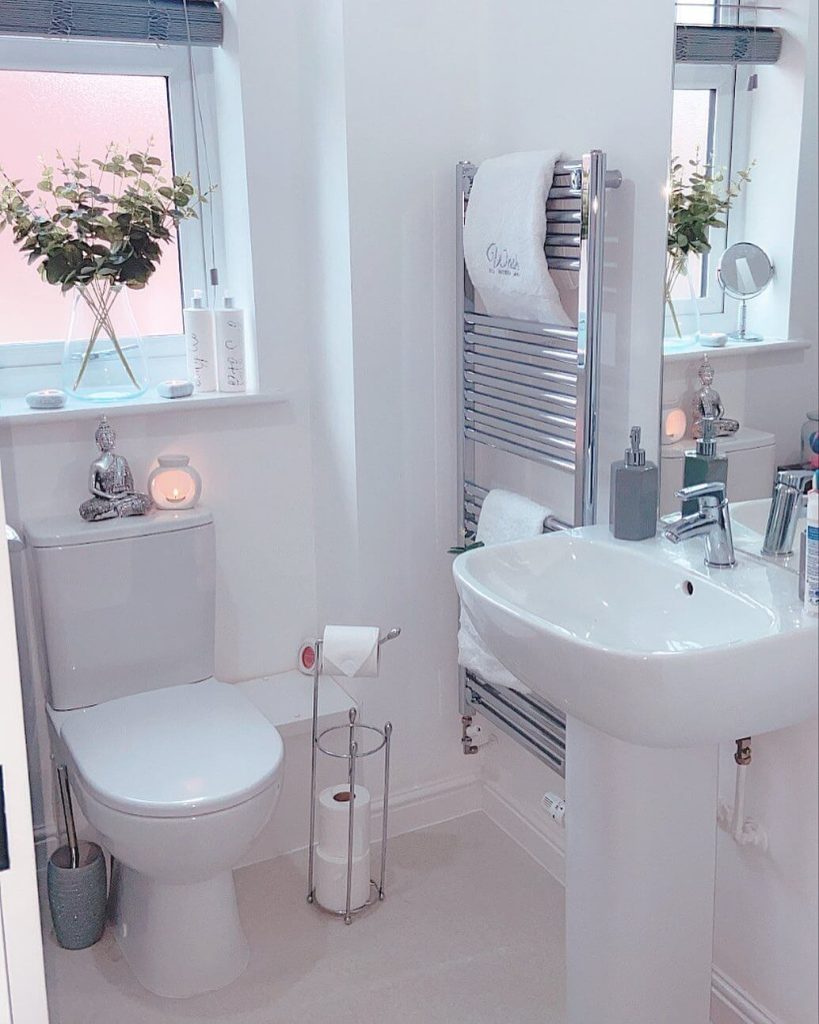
(730, 1005)
(423, 806)
(540, 837)
(545, 844)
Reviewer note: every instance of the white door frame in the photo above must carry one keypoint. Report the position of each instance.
(22, 977)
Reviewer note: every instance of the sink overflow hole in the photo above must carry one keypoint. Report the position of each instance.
(688, 587)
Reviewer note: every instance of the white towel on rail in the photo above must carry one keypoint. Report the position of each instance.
(504, 235)
(505, 516)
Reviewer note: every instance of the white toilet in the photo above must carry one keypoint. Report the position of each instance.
(751, 466)
(176, 771)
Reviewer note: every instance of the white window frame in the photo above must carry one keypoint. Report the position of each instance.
(721, 80)
(146, 59)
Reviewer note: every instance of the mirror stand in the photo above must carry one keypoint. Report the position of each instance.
(741, 333)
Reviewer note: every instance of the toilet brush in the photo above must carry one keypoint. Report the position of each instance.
(77, 881)
(68, 816)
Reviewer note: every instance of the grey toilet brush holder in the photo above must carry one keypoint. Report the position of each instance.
(77, 882)
(78, 896)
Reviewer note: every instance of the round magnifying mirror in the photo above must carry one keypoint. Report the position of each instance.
(744, 271)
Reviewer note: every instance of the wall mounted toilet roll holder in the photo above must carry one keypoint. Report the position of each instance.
(350, 742)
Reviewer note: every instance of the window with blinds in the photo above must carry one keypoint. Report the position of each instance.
(145, 21)
(73, 100)
(711, 32)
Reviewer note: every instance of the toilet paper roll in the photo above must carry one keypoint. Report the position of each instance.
(350, 650)
(331, 881)
(334, 818)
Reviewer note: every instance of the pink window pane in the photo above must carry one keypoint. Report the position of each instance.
(44, 112)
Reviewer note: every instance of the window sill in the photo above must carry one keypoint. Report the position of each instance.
(675, 351)
(15, 411)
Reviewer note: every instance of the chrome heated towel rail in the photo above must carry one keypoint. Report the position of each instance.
(531, 389)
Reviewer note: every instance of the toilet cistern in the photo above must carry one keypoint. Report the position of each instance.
(712, 520)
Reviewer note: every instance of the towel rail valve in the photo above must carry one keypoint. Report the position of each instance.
(466, 739)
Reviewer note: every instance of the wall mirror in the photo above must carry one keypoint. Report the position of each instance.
(742, 226)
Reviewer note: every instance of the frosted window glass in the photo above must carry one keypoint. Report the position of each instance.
(48, 111)
(690, 139)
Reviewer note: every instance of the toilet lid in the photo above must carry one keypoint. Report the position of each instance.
(744, 440)
(176, 752)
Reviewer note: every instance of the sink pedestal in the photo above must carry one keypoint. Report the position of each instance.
(640, 871)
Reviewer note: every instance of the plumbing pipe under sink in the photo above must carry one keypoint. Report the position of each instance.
(744, 831)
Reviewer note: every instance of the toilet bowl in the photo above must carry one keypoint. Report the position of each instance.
(177, 783)
(177, 772)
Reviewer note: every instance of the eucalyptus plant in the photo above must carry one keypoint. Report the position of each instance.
(98, 226)
(696, 204)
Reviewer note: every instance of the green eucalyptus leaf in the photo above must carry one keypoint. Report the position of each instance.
(91, 233)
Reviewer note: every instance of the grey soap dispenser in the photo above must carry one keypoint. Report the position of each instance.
(703, 464)
(635, 490)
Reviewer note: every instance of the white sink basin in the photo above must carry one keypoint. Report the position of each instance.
(643, 641)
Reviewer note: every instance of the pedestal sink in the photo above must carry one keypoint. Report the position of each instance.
(655, 659)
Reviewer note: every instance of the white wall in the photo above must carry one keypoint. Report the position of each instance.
(410, 115)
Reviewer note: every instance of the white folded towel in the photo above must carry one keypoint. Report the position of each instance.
(505, 516)
(473, 655)
(504, 234)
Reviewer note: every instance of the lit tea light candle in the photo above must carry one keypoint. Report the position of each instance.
(175, 483)
(675, 424)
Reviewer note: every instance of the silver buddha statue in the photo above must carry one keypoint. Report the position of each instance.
(111, 482)
(707, 402)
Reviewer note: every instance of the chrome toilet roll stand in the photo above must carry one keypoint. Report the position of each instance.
(353, 742)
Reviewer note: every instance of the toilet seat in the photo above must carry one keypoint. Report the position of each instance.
(177, 752)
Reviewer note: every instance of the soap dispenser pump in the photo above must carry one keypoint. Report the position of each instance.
(634, 493)
(703, 464)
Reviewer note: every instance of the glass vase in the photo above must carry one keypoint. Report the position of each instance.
(103, 358)
(672, 273)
